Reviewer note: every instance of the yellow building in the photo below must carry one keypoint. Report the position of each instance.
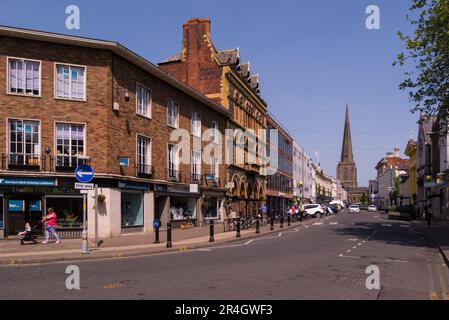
(412, 182)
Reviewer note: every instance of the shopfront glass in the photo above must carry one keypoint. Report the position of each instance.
(132, 209)
(68, 210)
(211, 206)
(2, 219)
(182, 208)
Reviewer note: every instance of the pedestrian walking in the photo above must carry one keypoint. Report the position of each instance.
(50, 224)
(429, 214)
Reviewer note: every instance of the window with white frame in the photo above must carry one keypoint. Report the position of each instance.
(214, 167)
(216, 132)
(196, 164)
(143, 155)
(173, 161)
(24, 77)
(143, 101)
(70, 144)
(196, 124)
(172, 113)
(70, 82)
(24, 142)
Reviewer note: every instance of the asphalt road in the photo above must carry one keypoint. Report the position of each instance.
(327, 260)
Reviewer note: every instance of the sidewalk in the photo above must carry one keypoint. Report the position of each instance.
(439, 232)
(12, 253)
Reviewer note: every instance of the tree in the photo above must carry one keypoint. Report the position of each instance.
(397, 189)
(428, 53)
(364, 199)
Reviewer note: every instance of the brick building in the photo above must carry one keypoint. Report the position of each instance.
(220, 75)
(67, 101)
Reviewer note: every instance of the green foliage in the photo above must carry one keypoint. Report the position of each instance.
(427, 54)
(364, 199)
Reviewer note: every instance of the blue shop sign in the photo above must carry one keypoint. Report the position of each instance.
(156, 223)
(133, 186)
(31, 182)
(35, 206)
(123, 161)
(16, 205)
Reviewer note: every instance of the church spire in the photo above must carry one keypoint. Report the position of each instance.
(346, 150)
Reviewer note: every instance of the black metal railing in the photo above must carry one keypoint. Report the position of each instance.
(144, 170)
(196, 178)
(67, 163)
(21, 161)
(212, 180)
(173, 175)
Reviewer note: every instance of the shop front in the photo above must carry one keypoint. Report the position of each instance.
(212, 206)
(178, 205)
(132, 204)
(27, 199)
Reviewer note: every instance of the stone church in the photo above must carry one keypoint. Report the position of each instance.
(347, 168)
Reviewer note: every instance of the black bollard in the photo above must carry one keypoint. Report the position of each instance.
(157, 236)
(212, 239)
(272, 224)
(258, 225)
(289, 220)
(169, 244)
(238, 229)
(282, 222)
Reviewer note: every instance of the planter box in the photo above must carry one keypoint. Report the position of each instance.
(404, 216)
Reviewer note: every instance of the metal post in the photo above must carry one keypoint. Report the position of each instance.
(212, 239)
(157, 235)
(282, 221)
(96, 216)
(289, 220)
(169, 244)
(272, 224)
(258, 225)
(238, 229)
(84, 245)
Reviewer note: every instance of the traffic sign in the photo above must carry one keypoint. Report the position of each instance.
(156, 223)
(84, 186)
(84, 173)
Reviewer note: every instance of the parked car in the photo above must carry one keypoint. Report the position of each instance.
(314, 210)
(354, 209)
(372, 208)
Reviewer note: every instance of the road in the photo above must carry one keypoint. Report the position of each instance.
(327, 260)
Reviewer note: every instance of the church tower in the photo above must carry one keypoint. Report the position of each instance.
(347, 170)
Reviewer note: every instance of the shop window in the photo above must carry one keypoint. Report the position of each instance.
(211, 208)
(68, 210)
(182, 208)
(132, 209)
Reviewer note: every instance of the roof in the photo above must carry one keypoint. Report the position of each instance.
(116, 48)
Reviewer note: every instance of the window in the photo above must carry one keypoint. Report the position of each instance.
(143, 155)
(196, 165)
(216, 132)
(196, 124)
(132, 209)
(24, 77)
(70, 82)
(214, 167)
(172, 113)
(172, 161)
(24, 146)
(143, 101)
(70, 144)
(68, 209)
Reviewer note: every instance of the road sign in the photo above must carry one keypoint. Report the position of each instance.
(156, 223)
(84, 186)
(84, 173)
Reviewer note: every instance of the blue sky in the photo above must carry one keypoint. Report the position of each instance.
(313, 57)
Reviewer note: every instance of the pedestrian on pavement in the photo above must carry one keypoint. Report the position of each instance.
(50, 223)
(428, 213)
(301, 212)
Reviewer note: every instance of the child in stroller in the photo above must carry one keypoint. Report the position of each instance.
(28, 234)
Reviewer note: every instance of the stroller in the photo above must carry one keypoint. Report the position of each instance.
(30, 236)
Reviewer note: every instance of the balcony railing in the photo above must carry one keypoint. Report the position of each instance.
(21, 161)
(173, 175)
(67, 163)
(196, 178)
(144, 170)
(212, 180)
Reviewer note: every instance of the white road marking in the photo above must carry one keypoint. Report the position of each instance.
(205, 250)
(349, 257)
(352, 239)
(333, 223)
(318, 224)
(247, 243)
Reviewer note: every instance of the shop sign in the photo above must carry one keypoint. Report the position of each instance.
(193, 188)
(123, 161)
(178, 189)
(161, 188)
(210, 177)
(31, 182)
(133, 186)
(35, 205)
(16, 205)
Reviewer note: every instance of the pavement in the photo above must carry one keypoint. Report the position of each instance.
(12, 253)
(439, 232)
(332, 258)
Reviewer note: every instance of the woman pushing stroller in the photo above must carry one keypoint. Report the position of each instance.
(50, 224)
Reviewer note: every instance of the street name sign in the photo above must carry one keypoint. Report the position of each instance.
(84, 186)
